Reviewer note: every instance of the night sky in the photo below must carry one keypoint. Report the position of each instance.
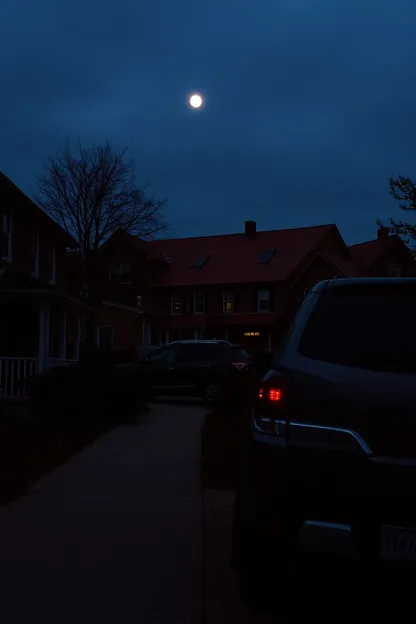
(309, 106)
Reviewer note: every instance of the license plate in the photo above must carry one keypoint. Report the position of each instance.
(398, 544)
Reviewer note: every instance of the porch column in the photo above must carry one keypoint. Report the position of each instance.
(226, 334)
(269, 340)
(167, 337)
(62, 346)
(43, 338)
(196, 334)
(77, 339)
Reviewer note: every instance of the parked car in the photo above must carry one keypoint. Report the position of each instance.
(211, 369)
(332, 434)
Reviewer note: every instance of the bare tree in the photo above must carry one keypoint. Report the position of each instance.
(403, 190)
(92, 194)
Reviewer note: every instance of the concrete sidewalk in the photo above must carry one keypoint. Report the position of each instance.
(115, 534)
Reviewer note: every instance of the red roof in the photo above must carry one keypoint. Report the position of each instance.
(234, 258)
(365, 254)
(346, 268)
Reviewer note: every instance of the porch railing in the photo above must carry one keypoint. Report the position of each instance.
(13, 375)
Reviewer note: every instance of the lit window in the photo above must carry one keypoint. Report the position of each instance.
(228, 302)
(263, 300)
(199, 302)
(176, 304)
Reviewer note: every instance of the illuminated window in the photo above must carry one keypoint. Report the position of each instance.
(228, 302)
(251, 334)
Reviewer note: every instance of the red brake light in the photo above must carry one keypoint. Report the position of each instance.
(270, 394)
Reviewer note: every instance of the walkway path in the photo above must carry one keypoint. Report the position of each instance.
(114, 535)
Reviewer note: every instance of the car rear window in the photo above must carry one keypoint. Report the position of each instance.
(241, 354)
(367, 326)
(204, 352)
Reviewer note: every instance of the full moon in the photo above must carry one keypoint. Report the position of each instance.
(195, 101)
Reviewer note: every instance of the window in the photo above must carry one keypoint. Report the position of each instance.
(35, 253)
(266, 256)
(200, 261)
(228, 302)
(105, 337)
(199, 302)
(52, 266)
(176, 304)
(204, 353)
(263, 300)
(126, 273)
(393, 270)
(369, 327)
(120, 273)
(6, 251)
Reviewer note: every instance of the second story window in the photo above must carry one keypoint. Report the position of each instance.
(35, 253)
(228, 302)
(199, 302)
(120, 273)
(176, 304)
(393, 270)
(6, 242)
(263, 300)
(52, 266)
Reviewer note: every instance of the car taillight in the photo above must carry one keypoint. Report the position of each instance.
(240, 365)
(270, 394)
(269, 413)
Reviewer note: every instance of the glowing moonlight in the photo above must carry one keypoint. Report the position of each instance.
(195, 101)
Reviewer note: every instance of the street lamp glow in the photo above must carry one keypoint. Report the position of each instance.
(195, 101)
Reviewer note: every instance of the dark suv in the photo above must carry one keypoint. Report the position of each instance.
(212, 369)
(332, 434)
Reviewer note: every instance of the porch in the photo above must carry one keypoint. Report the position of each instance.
(35, 335)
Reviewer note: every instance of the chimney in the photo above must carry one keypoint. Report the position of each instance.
(250, 228)
(382, 233)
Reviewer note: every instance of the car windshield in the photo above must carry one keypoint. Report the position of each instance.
(367, 326)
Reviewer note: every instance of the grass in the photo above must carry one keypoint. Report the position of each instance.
(220, 445)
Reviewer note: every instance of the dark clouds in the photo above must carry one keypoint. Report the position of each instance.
(309, 106)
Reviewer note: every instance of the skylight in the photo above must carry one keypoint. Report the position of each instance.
(200, 261)
(266, 255)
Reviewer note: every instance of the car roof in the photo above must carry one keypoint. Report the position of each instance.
(200, 342)
(361, 281)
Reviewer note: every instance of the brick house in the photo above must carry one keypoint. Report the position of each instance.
(244, 287)
(40, 321)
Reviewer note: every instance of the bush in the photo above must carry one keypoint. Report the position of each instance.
(85, 396)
